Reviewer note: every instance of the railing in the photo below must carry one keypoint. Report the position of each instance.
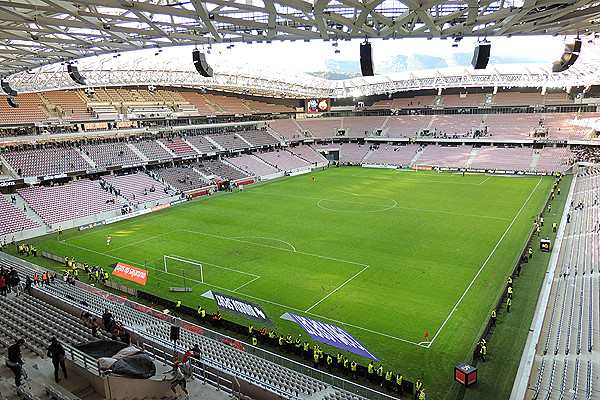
(199, 371)
(83, 360)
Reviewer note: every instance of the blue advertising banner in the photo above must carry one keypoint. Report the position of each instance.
(332, 335)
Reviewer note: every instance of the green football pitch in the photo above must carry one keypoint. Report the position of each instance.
(410, 263)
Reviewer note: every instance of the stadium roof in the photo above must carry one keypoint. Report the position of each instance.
(40, 32)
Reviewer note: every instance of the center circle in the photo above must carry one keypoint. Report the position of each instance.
(357, 203)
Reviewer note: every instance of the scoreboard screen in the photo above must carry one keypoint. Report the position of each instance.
(315, 106)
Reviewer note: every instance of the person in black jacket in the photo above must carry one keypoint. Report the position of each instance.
(57, 353)
(15, 361)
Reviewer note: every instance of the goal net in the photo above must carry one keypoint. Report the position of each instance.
(178, 272)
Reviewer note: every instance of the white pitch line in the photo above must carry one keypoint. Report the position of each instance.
(337, 288)
(247, 283)
(268, 301)
(274, 247)
(485, 180)
(397, 206)
(265, 237)
(214, 265)
(484, 264)
(143, 240)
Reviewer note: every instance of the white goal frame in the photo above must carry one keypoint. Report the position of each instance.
(165, 257)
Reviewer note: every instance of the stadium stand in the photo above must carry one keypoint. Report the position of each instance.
(68, 104)
(513, 126)
(286, 128)
(518, 98)
(563, 127)
(283, 160)
(464, 100)
(552, 159)
(406, 126)
(229, 141)
(152, 150)
(219, 169)
(77, 199)
(252, 165)
(567, 348)
(455, 126)
(179, 147)
(104, 155)
(362, 126)
(181, 178)
(267, 374)
(51, 161)
(138, 188)
(445, 156)
(320, 127)
(30, 110)
(204, 144)
(307, 154)
(352, 152)
(503, 158)
(259, 138)
(13, 218)
(392, 155)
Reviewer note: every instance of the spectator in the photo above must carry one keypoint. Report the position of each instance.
(107, 320)
(15, 360)
(57, 353)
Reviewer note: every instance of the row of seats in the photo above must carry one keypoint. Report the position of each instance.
(215, 353)
(568, 345)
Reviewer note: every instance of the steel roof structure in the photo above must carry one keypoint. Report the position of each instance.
(40, 32)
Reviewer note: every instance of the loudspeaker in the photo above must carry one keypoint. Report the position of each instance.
(201, 64)
(11, 102)
(174, 333)
(481, 56)
(568, 58)
(74, 74)
(366, 59)
(7, 89)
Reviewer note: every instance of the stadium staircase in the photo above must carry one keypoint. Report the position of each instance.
(414, 160)
(366, 157)
(203, 176)
(243, 139)
(137, 152)
(534, 160)
(383, 127)
(193, 147)
(224, 161)
(474, 152)
(30, 212)
(11, 171)
(264, 162)
(214, 143)
(87, 159)
(161, 144)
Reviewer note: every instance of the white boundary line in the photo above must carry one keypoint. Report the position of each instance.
(274, 247)
(397, 206)
(265, 237)
(484, 264)
(140, 241)
(337, 288)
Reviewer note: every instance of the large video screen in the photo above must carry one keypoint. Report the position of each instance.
(314, 106)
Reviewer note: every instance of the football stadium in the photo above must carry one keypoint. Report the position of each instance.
(304, 200)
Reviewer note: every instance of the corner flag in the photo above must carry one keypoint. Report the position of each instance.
(426, 335)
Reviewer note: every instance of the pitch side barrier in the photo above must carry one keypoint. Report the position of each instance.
(502, 298)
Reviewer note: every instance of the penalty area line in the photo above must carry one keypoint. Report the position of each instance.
(337, 288)
(484, 264)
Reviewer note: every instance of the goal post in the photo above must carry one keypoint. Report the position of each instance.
(178, 266)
